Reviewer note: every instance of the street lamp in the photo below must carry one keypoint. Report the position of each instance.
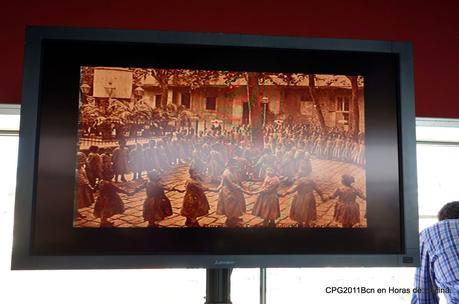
(85, 88)
(139, 91)
(264, 103)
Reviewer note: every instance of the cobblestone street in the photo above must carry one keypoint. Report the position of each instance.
(326, 173)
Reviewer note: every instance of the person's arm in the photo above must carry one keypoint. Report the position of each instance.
(334, 195)
(211, 189)
(293, 189)
(220, 186)
(360, 194)
(173, 189)
(205, 188)
(229, 181)
(267, 187)
(140, 187)
(314, 185)
(425, 277)
(120, 190)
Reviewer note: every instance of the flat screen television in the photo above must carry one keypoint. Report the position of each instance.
(146, 149)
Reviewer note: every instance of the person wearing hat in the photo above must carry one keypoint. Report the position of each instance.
(347, 210)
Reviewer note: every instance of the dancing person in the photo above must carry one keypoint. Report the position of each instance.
(231, 200)
(303, 207)
(267, 203)
(347, 210)
(157, 205)
(108, 202)
(195, 203)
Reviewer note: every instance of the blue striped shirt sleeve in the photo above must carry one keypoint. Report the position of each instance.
(425, 278)
(439, 269)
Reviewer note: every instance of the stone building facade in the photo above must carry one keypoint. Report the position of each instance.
(218, 101)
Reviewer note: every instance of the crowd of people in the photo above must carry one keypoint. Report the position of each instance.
(225, 159)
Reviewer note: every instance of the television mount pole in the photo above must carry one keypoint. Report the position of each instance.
(218, 286)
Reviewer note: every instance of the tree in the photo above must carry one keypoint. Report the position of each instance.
(162, 76)
(87, 75)
(256, 123)
(315, 101)
(355, 114)
(89, 113)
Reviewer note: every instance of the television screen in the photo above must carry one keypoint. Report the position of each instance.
(154, 149)
(171, 148)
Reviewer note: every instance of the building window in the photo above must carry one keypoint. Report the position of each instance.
(437, 166)
(342, 103)
(158, 100)
(211, 103)
(185, 100)
(342, 109)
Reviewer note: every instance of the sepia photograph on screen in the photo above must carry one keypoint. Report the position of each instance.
(176, 148)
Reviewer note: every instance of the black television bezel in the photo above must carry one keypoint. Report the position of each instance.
(24, 258)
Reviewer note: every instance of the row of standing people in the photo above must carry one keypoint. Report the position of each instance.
(207, 159)
(162, 153)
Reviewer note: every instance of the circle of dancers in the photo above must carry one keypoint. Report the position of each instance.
(226, 159)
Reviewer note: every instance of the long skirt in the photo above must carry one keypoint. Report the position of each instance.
(108, 206)
(303, 208)
(230, 203)
(156, 208)
(267, 206)
(195, 204)
(348, 214)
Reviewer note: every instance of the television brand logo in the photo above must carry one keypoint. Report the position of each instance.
(224, 263)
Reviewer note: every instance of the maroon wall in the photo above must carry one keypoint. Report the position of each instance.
(432, 27)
